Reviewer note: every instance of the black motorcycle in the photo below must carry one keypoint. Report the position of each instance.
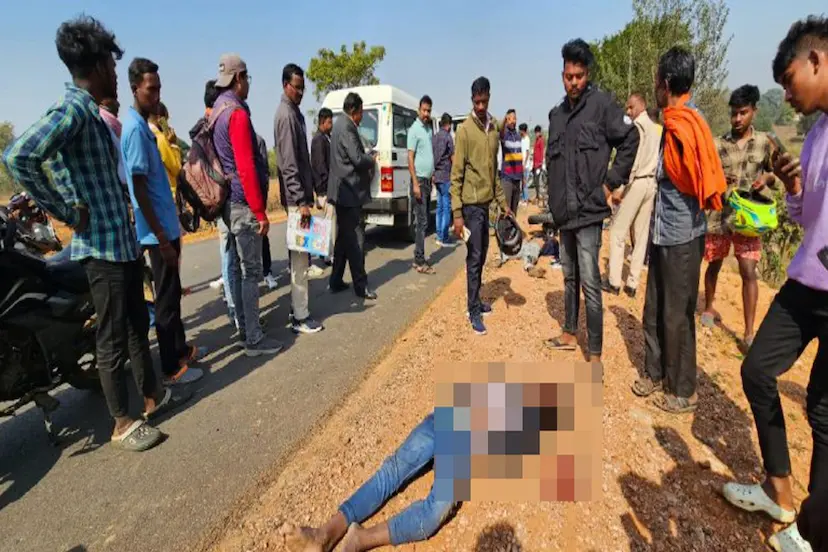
(47, 325)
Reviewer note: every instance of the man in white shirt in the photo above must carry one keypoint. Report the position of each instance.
(525, 148)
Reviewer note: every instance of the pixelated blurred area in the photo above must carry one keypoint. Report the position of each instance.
(518, 432)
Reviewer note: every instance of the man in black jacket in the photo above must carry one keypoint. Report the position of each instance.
(583, 130)
(296, 182)
(349, 189)
(321, 156)
(321, 164)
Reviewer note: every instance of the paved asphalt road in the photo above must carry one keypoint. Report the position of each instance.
(245, 416)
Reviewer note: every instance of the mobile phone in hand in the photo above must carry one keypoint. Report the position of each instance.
(778, 146)
(823, 257)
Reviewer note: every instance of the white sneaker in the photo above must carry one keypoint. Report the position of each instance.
(789, 540)
(753, 498)
(314, 271)
(271, 281)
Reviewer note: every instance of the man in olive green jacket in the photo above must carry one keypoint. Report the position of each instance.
(474, 184)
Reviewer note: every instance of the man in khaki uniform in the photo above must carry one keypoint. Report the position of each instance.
(636, 202)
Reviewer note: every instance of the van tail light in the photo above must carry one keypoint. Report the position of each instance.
(387, 179)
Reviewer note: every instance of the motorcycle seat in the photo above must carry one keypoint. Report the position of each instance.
(65, 273)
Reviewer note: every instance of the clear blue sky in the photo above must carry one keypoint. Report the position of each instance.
(433, 47)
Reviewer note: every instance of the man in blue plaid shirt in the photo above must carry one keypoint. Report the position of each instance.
(85, 192)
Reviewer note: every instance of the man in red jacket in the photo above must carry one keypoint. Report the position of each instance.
(245, 211)
(538, 158)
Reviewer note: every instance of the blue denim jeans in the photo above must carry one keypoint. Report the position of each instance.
(579, 260)
(443, 211)
(226, 273)
(244, 250)
(422, 518)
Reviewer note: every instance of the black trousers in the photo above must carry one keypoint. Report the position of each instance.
(421, 216)
(123, 325)
(476, 219)
(797, 316)
(267, 261)
(512, 190)
(669, 316)
(172, 344)
(350, 248)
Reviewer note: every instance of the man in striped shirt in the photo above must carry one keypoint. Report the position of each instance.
(511, 172)
(85, 193)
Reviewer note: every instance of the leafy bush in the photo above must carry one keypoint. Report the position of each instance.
(779, 245)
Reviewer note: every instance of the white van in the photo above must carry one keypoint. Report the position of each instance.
(387, 114)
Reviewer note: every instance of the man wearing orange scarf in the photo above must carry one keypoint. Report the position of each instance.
(690, 180)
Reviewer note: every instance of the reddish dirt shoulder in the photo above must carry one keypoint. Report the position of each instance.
(661, 475)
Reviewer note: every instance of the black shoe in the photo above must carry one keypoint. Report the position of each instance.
(338, 288)
(608, 288)
(629, 291)
(368, 294)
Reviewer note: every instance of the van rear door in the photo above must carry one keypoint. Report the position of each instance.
(401, 120)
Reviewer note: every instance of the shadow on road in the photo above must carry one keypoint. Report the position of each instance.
(498, 537)
(26, 456)
(501, 288)
(726, 429)
(680, 511)
(633, 336)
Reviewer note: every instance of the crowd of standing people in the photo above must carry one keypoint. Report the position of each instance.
(114, 183)
(669, 181)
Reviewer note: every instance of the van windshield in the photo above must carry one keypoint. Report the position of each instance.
(368, 128)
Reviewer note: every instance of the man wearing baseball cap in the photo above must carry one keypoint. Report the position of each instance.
(245, 211)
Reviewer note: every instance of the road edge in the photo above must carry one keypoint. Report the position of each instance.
(240, 507)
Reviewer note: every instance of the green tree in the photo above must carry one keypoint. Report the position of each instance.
(779, 245)
(271, 162)
(330, 70)
(773, 110)
(805, 123)
(768, 110)
(7, 185)
(628, 60)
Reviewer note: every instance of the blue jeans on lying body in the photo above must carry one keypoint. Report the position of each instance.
(422, 518)
(443, 211)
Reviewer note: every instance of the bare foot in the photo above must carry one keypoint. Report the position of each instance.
(303, 539)
(352, 541)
